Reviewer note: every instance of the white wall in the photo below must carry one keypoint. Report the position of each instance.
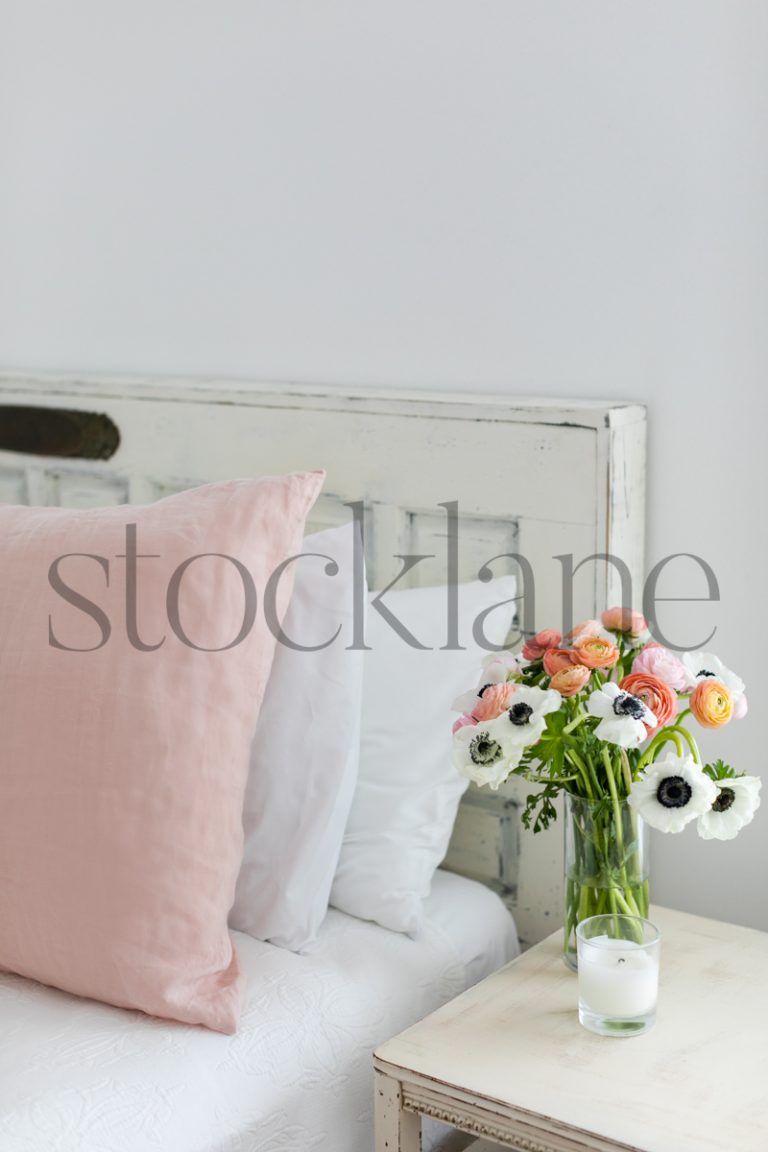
(556, 196)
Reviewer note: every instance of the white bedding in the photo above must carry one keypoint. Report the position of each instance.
(77, 1076)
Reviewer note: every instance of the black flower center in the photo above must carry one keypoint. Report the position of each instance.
(483, 749)
(483, 689)
(725, 798)
(520, 714)
(626, 705)
(704, 672)
(674, 792)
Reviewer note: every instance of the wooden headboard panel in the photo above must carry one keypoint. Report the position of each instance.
(534, 478)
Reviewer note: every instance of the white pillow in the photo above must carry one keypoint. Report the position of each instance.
(408, 790)
(305, 753)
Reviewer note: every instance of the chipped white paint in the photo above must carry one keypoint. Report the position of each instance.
(397, 1130)
(509, 1061)
(534, 477)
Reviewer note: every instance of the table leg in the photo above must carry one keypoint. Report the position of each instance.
(396, 1129)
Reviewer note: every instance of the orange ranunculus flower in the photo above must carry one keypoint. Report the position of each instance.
(624, 620)
(654, 693)
(581, 631)
(595, 652)
(493, 702)
(711, 703)
(555, 659)
(569, 681)
(535, 648)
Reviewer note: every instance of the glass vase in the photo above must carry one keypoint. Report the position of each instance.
(606, 863)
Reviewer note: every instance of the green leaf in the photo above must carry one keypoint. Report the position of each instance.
(544, 802)
(719, 770)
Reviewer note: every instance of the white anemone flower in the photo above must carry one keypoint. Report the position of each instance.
(672, 792)
(524, 720)
(486, 753)
(737, 800)
(497, 669)
(467, 702)
(706, 666)
(499, 666)
(624, 718)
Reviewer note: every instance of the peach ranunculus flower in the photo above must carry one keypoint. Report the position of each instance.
(655, 660)
(624, 620)
(711, 703)
(569, 681)
(654, 693)
(595, 652)
(493, 702)
(555, 659)
(535, 648)
(462, 723)
(582, 631)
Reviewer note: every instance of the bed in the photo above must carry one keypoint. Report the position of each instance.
(77, 1075)
(536, 481)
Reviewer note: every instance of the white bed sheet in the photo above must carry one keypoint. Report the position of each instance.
(78, 1076)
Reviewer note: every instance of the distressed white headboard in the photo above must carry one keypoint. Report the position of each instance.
(534, 478)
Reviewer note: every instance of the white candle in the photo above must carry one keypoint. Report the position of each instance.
(617, 978)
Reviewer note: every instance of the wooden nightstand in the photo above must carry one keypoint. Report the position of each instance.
(508, 1060)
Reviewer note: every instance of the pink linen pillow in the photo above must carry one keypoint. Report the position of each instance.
(123, 764)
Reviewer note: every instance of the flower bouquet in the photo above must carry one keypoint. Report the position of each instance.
(601, 715)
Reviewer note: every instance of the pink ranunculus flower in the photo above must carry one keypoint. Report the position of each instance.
(740, 707)
(493, 702)
(583, 631)
(534, 649)
(555, 659)
(624, 620)
(655, 660)
(462, 722)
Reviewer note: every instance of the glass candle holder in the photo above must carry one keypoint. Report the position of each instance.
(618, 974)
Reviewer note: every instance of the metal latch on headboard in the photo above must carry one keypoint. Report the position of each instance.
(63, 432)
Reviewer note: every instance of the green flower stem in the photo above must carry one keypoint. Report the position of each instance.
(614, 799)
(650, 751)
(587, 773)
(577, 761)
(582, 716)
(673, 732)
(596, 882)
(655, 745)
(627, 899)
(613, 901)
(686, 735)
(584, 911)
(625, 769)
(548, 779)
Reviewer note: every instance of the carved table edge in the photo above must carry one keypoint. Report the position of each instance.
(494, 1120)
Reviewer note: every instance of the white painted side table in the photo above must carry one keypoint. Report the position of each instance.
(509, 1061)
